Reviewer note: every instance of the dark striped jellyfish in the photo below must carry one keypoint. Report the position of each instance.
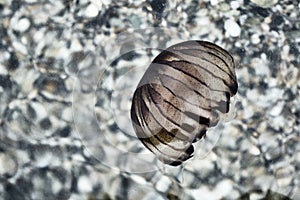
(185, 90)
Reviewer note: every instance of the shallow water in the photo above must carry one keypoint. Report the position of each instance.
(67, 75)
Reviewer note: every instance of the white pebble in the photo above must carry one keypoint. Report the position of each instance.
(234, 4)
(204, 193)
(254, 150)
(91, 11)
(7, 164)
(278, 122)
(3, 70)
(203, 21)
(106, 2)
(56, 186)
(84, 185)
(232, 28)
(40, 110)
(255, 39)
(214, 2)
(44, 160)
(223, 188)
(264, 3)
(163, 184)
(22, 25)
(277, 109)
(67, 114)
(20, 47)
(97, 3)
(31, 1)
(76, 46)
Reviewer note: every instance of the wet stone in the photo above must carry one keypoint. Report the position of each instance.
(15, 5)
(51, 83)
(232, 28)
(158, 7)
(8, 165)
(260, 11)
(163, 184)
(84, 185)
(265, 3)
(13, 62)
(277, 21)
(5, 82)
(45, 123)
(46, 184)
(63, 132)
(45, 155)
(25, 185)
(18, 121)
(13, 192)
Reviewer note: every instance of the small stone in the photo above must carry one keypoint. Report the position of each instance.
(91, 11)
(224, 188)
(45, 123)
(39, 109)
(255, 39)
(259, 11)
(3, 71)
(214, 2)
(232, 28)
(84, 184)
(276, 110)
(163, 184)
(235, 4)
(67, 114)
(23, 25)
(264, 3)
(106, 2)
(13, 62)
(8, 165)
(31, 1)
(45, 155)
(278, 122)
(64, 132)
(135, 21)
(5, 82)
(44, 160)
(13, 191)
(20, 47)
(76, 46)
(158, 7)
(277, 21)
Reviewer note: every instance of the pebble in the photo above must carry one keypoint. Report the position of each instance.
(8, 165)
(76, 46)
(235, 4)
(31, 1)
(39, 109)
(3, 70)
(92, 10)
(23, 24)
(277, 109)
(44, 157)
(224, 188)
(255, 39)
(20, 47)
(265, 3)
(163, 184)
(232, 28)
(214, 2)
(84, 184)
